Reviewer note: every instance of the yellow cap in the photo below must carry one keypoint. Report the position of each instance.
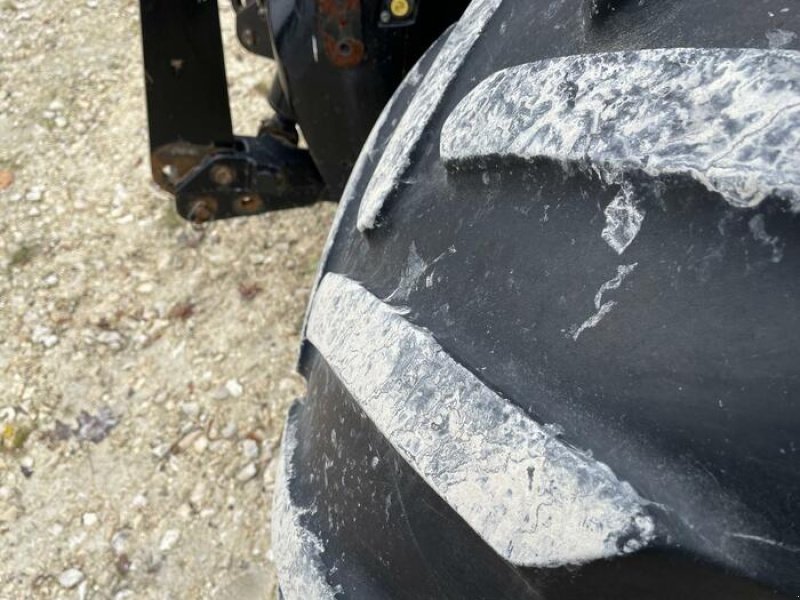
(400, 8)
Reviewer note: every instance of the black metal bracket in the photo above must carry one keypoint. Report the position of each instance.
(252, 26)
(258, 175)
(194, 153)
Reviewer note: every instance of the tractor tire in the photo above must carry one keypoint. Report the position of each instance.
(552, 352)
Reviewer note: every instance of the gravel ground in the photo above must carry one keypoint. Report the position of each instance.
(145, 367)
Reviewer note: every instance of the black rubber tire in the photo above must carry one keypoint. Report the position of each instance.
(693, 398)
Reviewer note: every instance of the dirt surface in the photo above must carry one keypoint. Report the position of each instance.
(145, 367)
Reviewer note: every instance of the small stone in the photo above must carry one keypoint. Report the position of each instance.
(120, 193)
(234, 388)
(91, 3)
(70, 578)
(169, 539)
(34, 194)
(229, 431)
(185, 511)
(221, 393)
(161, 450)
(51, 280)
(43, 335)
(198, 493)
(258, 259)
(139, 501)
(190, 409)
(112, 339)
(76, 540)
(250, 449)
(60, 122)
(218, 446)
(145, 288)
(6, 179)
(89, 519)
(200, 444)
(188, 440)
(119, 542)
(246, 473)
(9, 514)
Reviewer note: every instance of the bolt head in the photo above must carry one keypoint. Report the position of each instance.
(202, 210)
(222, 174)
(400, 8)
(248, 204)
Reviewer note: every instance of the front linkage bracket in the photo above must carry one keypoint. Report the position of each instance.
(256, 175)
(194, 154)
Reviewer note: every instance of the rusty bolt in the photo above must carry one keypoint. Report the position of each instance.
(222, 175)
(202, 210)
(248, 204)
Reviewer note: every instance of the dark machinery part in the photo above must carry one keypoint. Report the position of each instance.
(338, 64)
(187, 93)
(261, 174)
(195, 155)
(252, 27)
